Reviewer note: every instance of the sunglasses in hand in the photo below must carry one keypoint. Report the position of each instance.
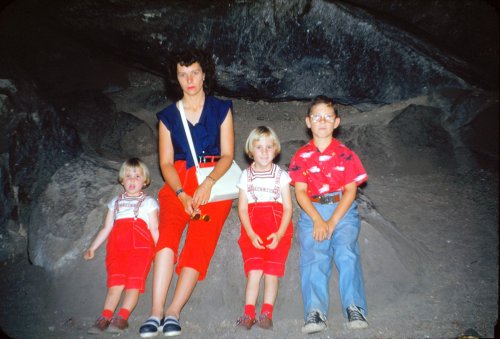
(199, 216)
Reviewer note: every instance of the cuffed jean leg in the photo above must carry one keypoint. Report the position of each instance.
(315, 267)
(348, 260)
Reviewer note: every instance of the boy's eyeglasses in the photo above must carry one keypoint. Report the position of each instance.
(318, 117)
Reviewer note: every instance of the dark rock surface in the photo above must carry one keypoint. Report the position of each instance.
(481, 136)
(106, 132)
(38, 143)
(274, 50)
(464, 31)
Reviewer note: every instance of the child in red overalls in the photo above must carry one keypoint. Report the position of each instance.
(265, 211)
(132, 226)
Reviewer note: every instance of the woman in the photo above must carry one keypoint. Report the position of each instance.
(181, 198)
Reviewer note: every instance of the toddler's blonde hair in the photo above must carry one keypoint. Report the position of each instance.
(135, 163)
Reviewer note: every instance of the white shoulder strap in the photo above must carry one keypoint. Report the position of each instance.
(188, 133)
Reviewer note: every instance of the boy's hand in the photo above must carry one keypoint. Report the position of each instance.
(256, 241)
(320, 230)
(89, 254)
(331, 229)
(274, 239)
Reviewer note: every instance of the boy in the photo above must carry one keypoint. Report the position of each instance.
(326, 174)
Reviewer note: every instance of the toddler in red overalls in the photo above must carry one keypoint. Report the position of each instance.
(265, 211)
(132, 227)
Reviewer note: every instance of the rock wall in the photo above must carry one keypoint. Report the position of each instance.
(279, 50)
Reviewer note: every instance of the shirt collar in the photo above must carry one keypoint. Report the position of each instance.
(333, 143)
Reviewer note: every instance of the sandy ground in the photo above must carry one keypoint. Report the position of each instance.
(430, 256)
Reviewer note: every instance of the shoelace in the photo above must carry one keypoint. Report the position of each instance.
(242, 319)
(263, 316)
(314, 317)
(354, 314)
(101, 318)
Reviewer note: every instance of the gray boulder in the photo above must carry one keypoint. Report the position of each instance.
(70, 211)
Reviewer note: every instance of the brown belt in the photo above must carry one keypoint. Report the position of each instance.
(208, 158)
(326, 199)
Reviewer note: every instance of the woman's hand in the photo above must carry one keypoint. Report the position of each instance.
(187, 203)
(202, 193)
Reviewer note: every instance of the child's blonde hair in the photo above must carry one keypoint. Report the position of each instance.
(256, 134)
(135, 163)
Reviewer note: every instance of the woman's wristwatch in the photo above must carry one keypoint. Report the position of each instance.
(179, 191)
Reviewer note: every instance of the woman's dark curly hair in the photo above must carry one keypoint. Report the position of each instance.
(188, 57)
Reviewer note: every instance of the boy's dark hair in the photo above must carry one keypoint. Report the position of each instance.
(188, 57)
(322, 99)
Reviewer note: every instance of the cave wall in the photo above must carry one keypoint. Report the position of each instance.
(356, 51)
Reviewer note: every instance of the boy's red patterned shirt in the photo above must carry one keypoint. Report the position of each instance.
(327, 171)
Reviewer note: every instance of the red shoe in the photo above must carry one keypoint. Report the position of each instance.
(245, 322)
(100, 325)
(265, 322)
(117, 325)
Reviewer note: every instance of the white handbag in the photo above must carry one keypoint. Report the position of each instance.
(225, 188)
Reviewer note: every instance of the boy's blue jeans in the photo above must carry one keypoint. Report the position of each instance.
(316, 261)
